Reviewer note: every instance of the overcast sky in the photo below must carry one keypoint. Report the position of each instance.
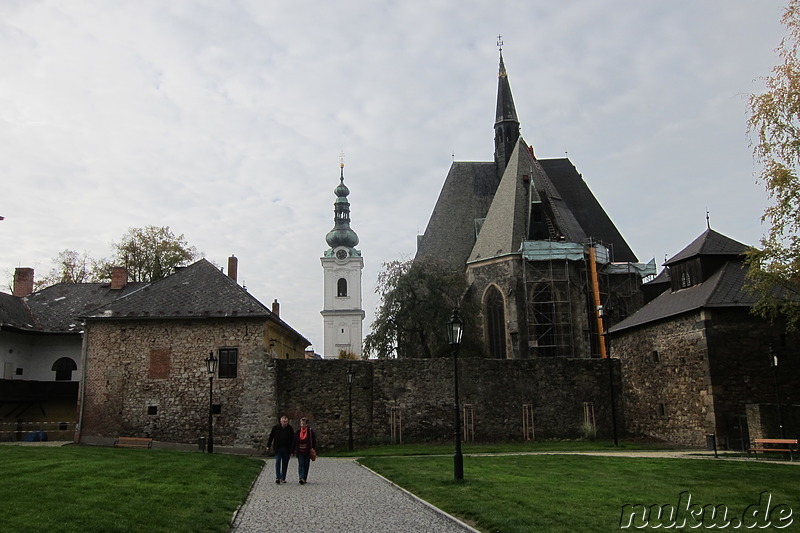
(224, 120)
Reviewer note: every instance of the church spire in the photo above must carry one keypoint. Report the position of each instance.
(341, 235)
(506, 125)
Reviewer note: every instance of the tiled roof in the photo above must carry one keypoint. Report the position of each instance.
(196, 291)
(725, 288)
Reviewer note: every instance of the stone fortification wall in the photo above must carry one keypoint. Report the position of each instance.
(667, 386)
(417, 395)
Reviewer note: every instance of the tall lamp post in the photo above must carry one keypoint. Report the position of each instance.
(211, 367)
(350, 378)
(455, 328)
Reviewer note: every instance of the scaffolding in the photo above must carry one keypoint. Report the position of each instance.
(549, 308)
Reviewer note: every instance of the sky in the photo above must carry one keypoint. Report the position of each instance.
(225, 121)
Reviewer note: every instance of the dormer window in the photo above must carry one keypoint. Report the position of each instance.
(686, 280)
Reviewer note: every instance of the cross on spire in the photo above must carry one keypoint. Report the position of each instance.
(500, 43)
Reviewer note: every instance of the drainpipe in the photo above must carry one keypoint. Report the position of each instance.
(81, 385)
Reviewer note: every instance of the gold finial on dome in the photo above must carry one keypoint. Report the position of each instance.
(341, 159)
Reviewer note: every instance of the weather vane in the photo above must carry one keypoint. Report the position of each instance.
(500, 42)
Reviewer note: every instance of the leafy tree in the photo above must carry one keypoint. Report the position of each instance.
(417, 299)
(71, 267)
(775, 122)
(150, 253)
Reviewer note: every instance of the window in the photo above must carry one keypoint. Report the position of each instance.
(152, 410)
(661, 410)
(341, 288)
(228, 361)
(496, 323)
(654, 356)
(64, 368)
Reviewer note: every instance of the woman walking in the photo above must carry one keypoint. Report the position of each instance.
(304, 447)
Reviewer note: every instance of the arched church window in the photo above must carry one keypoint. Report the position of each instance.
(341, 287)
(64, 367)
(495, 323)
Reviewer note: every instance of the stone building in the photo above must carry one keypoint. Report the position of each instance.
(40, 352)
(547, 267)
(696, 362)
(144, 362)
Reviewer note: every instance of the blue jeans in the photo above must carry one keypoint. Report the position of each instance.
(303, 462)
(281, 463)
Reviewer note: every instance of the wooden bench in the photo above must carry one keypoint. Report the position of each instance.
(774, 445)
(133, 442)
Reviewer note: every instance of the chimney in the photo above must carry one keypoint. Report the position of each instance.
(276, 308)
(233, 267)
(23, 281)
(119, 277)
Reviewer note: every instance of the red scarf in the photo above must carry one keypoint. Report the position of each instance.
(303, 433)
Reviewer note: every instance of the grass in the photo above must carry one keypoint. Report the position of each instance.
(555, 493)
(86, 489)
(499, 447)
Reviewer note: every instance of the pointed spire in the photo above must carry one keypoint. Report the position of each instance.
(506, 125)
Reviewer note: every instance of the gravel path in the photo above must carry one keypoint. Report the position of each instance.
(340, 496)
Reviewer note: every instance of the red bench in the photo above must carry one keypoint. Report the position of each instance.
(774, 445)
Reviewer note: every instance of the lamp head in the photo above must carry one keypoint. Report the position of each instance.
(211, 363)
(455, 328)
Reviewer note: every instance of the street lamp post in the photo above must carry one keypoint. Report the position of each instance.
(455, 328)
(350, 378)
(211, 367)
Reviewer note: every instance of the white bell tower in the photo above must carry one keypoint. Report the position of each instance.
(342, 265)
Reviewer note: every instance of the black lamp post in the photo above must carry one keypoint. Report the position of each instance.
(211, 367)
(455, 328)
(350, 377)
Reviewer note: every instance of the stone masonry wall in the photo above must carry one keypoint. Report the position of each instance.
(418, 395)
(149, 379)
(666, 384)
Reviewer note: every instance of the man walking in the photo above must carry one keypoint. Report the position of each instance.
(282, 435)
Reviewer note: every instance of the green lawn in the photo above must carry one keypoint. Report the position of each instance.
(569, 493)
(496, 447)
(85, 489)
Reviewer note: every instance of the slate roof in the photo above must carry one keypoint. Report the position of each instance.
(724, 288)
(14, 313)
(58, 308)
(710, 242)
(199, 290)
(587, 210)
(465, 196)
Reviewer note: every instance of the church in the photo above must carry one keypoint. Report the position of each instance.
(546, 266)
